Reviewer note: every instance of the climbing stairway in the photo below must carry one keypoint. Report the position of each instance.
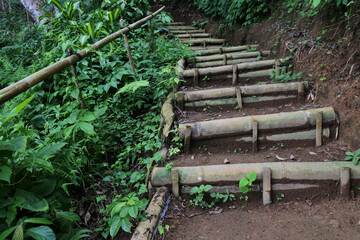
(229, 115)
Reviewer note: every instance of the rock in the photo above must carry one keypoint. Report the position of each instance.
(334, 223)
(292, 157)
(226, 161)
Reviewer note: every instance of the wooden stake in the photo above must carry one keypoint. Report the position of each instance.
(196, 77)
(151, 34)
(318, 138)
(175, 182)
(277, 67)
(74, 72)
(239, 97)
(254, 126)
(301, 92)
(127, 45)
(266, 186)
(225, 60)
(221, 50)
(187, 139)
(235, 74)
(345, 183)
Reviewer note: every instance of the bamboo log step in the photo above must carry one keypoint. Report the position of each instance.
(211, 47)
(229, 69)
(221, 50)
(203, 40)
(224, 62)
(235, 55)
(242, 125)
(249, 94)
(232, 173)
(178, 32)
(176, 24)
(175, 28)
(194, 35)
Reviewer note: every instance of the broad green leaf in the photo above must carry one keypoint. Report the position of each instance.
(14, 144)
(88, 117)
(117, 209)
(252, 176)
(244, 189)
(22, 105)
(6, 233)
(41, 233)
(316, 3)
(355, 160)
(38, 221)
(50, 150)
(207, 188)
(86, 127)
(58, 5)
(124, 211)
(44, 187)
(5, 173)
(83, 39)
(70, 216)
(68, 131)
(32, 202)
(101, 111)
(115, 226)
(348, 158)
(132, 87)
(194, 190)
(357, 152)
(133, 212)
(243, 182)
(19, 233)
(42, 163)
(126, 225)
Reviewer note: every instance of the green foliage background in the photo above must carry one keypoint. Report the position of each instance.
(50, 150)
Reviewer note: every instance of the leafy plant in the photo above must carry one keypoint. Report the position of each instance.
(245, 183)
(353, 156)
(199, 193)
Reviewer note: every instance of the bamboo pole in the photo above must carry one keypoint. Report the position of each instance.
(196, 48)
(167, 112)
(176, 32)
(235, 55)
(176, 24)
(254, 74)
(128, 49)
(268, 122)
(151, 34)
(222, 50)
(251, 90)
(222, 63)
(176, 28)
(146, 227)
(39, 76)
(229, 68)
(213, 174)
(194, 35)
(202, 40)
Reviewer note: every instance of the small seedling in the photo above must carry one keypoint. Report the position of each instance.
(323, 79)
(281, 197)
(354, 157)
(245, 183)
(169, 166)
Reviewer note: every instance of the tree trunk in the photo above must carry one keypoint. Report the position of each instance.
(34, 7)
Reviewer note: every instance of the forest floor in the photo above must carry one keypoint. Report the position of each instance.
(334, 78)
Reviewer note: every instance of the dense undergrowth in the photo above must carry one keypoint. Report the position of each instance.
(55, 158)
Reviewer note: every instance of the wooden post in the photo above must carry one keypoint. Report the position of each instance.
(179, 97)
(221, 50)
(345, 183)
(318, 138)
(254, 126)
(266, 186)
(235, 74)
(204, 44)
(277, 67)
(151, 34)
(187, 139)
(175, 182)
(127, 45)
(225, 60)
(196, 77)
(239, 97)
(74, 72)
(301, 92)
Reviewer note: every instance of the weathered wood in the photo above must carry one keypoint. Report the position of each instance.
(235, 55)
(266, 186)
(231, 173)
(301, 92)
(35, 78)
(239, 97)
(175, 182)
(224, 62)
(75, 75)
(319, 120)
(221, 50)
(240, 125)
(235, 75)
(128, 49)
(228, 69)
(177, 32)
(345, 178)
(179, 97)
(196, 77)
(277, 67)
(151, 34)
(193, 35)
(187, 139)
(254, 126)
(167, 112)
(176, 24)
(202, 40)
(176, 28)
(145, 228)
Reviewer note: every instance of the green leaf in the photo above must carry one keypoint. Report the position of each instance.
(355, 160)
(252, 176)
(117, 209)
(14, 144)
(316, 3)
(133, 212)
(70, 216)
(50, 150)
(6, 233)
(132, 87)
(207, 188)
(19, 233)
(243, 182)
(87, 128)
(100, 111)
(32, 202)
(349, 158)
(126, 225)
(124, 211)
(115, 226)
(83, 39)
(5, 173)
(88, 117)
(44, 187)
(41, 233)
(244, 189)
(357, 152)
(38, 221)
